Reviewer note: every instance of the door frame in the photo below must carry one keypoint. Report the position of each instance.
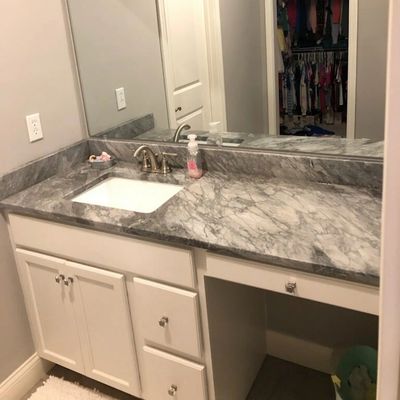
(215, 62)
(389, 332)
(166, 61)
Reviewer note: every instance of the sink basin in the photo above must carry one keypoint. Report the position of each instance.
(129, 194)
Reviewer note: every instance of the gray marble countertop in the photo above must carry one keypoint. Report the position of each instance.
(323, 229)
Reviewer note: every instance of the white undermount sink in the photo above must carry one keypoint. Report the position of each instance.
(129, 194)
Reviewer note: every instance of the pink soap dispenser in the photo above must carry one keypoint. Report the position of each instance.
(194, 162)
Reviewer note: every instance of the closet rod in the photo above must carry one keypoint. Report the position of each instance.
(318, 49)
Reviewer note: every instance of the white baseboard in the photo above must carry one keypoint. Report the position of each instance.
(24, 378)
(299, 351)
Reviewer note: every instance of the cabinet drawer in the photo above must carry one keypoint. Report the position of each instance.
(308, 286)
(167, 316)
(167, 376)
(153, 260)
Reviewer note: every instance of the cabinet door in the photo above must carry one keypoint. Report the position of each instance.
(102, 311)
(49, 309)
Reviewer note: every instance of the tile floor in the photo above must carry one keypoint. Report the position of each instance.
(281, 380)
(277, 380)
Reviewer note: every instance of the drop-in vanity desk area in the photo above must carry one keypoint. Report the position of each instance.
(267, 254)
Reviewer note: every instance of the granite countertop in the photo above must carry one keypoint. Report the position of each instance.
(323, 229)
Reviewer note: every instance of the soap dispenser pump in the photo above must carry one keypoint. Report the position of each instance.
(194, 162)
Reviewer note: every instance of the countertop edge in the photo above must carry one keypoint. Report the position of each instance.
(289, 264)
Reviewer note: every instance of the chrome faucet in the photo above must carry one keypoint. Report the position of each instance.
(150, 161)
(179, 130)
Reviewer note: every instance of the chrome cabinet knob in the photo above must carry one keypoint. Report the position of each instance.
(163, 322)
(59, 278)
(68, 281)
(172, 390)
(291, 287)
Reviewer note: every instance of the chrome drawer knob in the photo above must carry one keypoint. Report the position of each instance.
(172, 390)
(68, 281)
(291, 287)
(60, 278)
(163, 322)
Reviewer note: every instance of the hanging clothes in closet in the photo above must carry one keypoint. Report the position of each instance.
(313, 39)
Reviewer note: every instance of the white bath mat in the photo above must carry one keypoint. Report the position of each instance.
(58, 389)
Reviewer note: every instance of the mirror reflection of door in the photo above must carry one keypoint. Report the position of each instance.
(184, 50)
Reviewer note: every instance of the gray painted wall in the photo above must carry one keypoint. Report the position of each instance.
(243, 46)
(117, 45)
(37, 75)
(16, 344)
(371, 68)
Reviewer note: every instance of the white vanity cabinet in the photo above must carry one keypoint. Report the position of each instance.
(80, 318)
(137, 310)
(192, 324)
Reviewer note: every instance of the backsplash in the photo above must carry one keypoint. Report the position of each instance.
(314, 168)
(322, 169)
(37, 171)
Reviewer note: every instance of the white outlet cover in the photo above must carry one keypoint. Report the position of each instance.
(121, 100)
(34, 127)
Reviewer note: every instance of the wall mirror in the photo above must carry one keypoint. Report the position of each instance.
(287, 75)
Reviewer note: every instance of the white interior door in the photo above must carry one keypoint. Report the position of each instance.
(50, 310)
(102, 310)
(184, 50)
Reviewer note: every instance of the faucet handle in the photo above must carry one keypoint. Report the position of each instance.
(165, 154)
(165, 168)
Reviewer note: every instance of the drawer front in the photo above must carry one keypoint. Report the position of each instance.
(308, 286)
(153, 260)
(167, 316)
(167, 376)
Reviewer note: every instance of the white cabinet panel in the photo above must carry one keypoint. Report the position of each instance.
(167, 377)
(167, 316)
(102, 310)
(50, 310)
(140, 257)
(353, 296)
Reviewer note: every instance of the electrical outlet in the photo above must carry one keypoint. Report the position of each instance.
(34, 127)
(121, 100)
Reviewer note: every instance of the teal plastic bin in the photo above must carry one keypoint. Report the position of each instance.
(356, 374)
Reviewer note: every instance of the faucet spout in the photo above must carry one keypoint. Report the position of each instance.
(179, 130)
(150, 162)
